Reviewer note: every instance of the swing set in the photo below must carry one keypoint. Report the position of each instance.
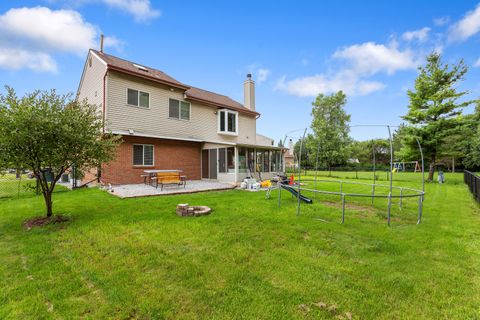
(401, 166)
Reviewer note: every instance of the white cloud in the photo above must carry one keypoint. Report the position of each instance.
(141, 10)
(29, 37)
(311, 86)
(113, 42)
(46, 29)
(468, 26)
(421, 35)
(369, 58)
(441, 21)
(15, 59)
(361, 62)
(477, 63)
(262, 74)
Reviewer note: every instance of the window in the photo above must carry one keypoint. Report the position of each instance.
(222, 168)
(264, 159)
(138, 98)
(276, 161)
(227, 122)
(232, 119)
(251, 159)
(178, 109)
(273, 165)
(266, 163)
(231, 160)
(242, 159)
(226, 160)
(142, 155)
(222, 121)
(259, 163)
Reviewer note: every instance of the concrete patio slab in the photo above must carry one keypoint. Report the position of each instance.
(193, 186)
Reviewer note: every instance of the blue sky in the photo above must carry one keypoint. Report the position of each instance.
(370, 49)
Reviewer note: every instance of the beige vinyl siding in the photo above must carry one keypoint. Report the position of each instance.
(92, 85)
(264, 141)
(203, 123)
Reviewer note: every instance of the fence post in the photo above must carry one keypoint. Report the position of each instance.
(420, 205)
(373, 192)
(279, 193)
(389, 207)
(343, 208)
(401, 198)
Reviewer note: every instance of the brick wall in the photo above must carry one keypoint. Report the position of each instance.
(168, 154)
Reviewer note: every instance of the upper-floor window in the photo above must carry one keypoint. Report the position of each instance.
(143, 155)
(228, 122)
(178, 109)
(138, 98)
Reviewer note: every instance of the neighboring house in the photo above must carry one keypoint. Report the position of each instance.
(166, 124)
(289, 156)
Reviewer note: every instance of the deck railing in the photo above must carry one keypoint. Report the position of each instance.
(473, 182)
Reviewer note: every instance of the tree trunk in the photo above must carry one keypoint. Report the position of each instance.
(48, 203)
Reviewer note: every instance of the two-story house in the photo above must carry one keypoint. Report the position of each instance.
(166, 124)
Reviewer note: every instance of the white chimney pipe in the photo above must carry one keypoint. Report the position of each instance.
(249, 93)
(290, 147)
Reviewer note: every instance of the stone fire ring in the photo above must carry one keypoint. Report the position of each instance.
(184, 210)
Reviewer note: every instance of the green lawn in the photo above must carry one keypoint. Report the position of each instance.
(134, 258)
(12, 187)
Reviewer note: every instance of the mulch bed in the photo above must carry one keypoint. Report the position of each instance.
(43, 221)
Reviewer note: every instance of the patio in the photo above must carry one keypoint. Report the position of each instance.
(192, 186)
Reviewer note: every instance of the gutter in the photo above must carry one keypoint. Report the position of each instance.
(104, 98)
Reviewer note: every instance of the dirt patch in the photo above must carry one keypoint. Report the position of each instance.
(43, 221)
(348, 206)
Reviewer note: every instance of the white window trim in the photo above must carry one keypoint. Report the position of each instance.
(227, 111)
(143, 155)
(180, 110)
(138, 100)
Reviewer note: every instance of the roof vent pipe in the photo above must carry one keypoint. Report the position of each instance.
(101, 42)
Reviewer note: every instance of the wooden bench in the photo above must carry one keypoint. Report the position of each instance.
(164, 178)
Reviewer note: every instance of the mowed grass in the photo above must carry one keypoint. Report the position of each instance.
(12, 187)
(250, 259)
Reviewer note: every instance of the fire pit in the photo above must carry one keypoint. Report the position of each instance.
(184, 210)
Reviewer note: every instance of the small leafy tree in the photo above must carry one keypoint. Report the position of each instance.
(48, 133)
(434, 108)
(331, 129)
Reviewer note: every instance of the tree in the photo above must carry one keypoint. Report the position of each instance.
(331, 129)
(48, 133)
(308, 155)
(470, 142)
(363, 151)
(434, 108)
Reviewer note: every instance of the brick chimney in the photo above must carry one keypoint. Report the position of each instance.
(249, 93)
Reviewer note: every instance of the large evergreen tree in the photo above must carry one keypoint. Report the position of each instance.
(434, 109)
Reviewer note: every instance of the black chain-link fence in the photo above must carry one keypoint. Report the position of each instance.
(473, 182)
(15, 184)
